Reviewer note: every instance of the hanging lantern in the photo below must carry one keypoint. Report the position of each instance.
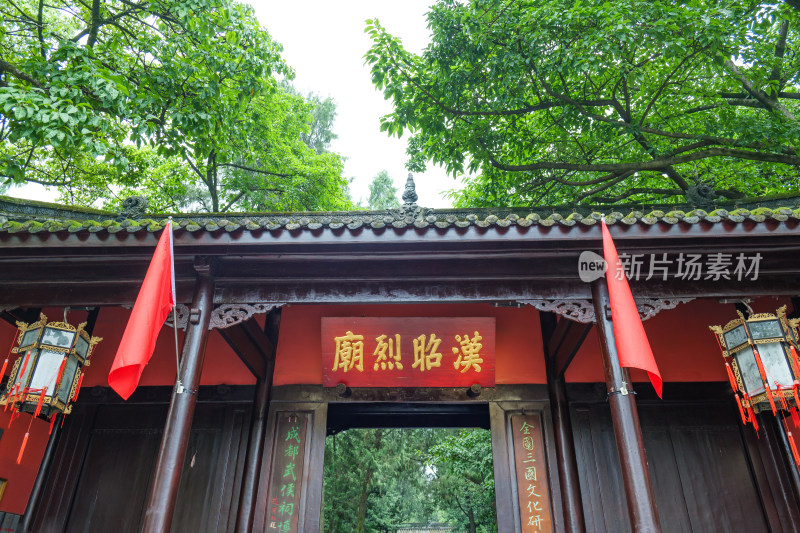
(760, 354)
(46, 376)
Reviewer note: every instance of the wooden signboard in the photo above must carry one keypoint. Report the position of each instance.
(408, 352)
(287, 473)
(529, 462)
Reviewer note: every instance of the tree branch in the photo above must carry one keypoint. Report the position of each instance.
(772, 103)
(39, 26)
(637, 190)
(257, 170)
(5, 66)
(653, 165)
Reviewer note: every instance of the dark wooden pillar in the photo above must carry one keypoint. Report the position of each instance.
(562, 425)
(166, 479)
(26, 523)
(633, 461)
(258, 431)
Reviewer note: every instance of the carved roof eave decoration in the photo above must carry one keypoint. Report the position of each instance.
(582, 311)
(225, 315)
(16, 218)
(578, 310)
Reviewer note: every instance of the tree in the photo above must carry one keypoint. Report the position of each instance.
(193, 79)
(321, 133)
(374, 479)
(382, 192)
(464, 476)
(562, 101)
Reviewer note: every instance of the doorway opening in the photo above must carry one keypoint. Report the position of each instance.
(410, 468)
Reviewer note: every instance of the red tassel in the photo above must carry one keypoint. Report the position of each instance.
(52, 423)
(795, 360)
(767, 389)
(741, 409)
(795, 389)
(40, 402)
(792, 445)
(753, 418)
(60, 371)
(782, 399)
(24, 367)
(5, 365)
(22, 448)
(795, 417)
(731, 378)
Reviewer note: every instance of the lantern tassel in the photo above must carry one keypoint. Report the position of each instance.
(5, 365)
(795, 417)
(753, 420)
(24, 367)
(751, 416)
(741, 409)
(40, 402)
(782, 398)
(795, 389)
(22, 448)
(52, 423)
(795, 360)
(731, 378)
(793, 446)
(60, 372)
(764, 379)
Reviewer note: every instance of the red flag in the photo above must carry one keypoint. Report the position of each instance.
(156, 299)
(632, 345)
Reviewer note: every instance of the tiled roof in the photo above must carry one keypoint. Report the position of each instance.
(24, 216)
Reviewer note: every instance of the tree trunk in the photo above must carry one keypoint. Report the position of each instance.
(211, 181)
(362, 504)
(471, 515)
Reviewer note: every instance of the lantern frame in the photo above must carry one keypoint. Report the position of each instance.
(62, 344)
(761, 397)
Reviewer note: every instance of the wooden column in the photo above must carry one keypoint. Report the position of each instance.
(26, 524)
(258, 429)
(630, 446)
(167, 477)
(562, 425)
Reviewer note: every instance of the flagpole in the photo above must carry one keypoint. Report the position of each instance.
(178, 385)
(639, 494)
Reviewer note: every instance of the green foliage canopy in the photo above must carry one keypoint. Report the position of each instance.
(565, 100)
(382, 192)
(85, 83)
(379, 479)
(464, 475)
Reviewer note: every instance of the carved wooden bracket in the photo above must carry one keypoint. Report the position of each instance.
(227, 315)
(224, 316)
(583, 310)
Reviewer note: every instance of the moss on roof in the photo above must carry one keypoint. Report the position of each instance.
(33, 217)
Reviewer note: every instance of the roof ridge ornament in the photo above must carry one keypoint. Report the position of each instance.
(133, 207)
(410, 207)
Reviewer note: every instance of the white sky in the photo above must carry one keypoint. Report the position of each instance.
(324, 41)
